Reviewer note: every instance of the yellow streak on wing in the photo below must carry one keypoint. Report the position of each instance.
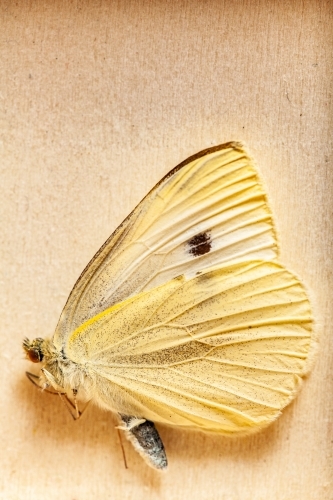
(224, 351)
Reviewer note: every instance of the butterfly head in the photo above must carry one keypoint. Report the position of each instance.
(35, 350)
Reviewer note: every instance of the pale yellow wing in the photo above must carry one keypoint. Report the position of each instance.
(224, 351)
(209, 210)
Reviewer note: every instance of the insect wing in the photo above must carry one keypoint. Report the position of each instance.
(209, 210)
(224, 351)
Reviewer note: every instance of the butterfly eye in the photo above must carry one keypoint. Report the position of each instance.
(34, 350)
(35, 355)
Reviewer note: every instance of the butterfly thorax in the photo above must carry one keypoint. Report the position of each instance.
(57, 370)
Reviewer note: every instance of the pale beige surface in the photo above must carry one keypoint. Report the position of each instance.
(98, 100)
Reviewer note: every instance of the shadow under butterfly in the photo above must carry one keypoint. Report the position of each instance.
(185, 315)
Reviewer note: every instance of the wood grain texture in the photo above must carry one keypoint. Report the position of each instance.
(98, 100)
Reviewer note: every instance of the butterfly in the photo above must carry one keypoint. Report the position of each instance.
(185, 316)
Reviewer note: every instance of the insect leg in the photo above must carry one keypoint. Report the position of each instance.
(76, 407)
(35, 379)
(122, 448)
(76, 414)
(68, 405)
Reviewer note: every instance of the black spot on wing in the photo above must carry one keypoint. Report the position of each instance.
(200, 244)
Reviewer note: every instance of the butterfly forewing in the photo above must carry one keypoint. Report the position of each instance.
(208, 211)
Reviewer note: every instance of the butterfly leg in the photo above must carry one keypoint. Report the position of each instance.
(78, 413)
(69, 405)
(146, 440)
(35, 379)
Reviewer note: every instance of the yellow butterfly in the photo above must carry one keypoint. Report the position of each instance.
(185, 316)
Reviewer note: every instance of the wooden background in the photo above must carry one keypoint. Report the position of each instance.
(98, 100)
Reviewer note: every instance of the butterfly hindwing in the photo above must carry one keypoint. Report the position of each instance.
(223, 351)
